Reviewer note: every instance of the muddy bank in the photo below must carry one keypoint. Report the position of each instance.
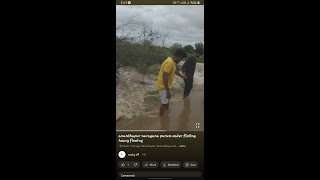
(136, 94)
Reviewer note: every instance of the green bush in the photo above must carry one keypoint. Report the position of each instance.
(138, 55)
(189, 49)
(200, 60)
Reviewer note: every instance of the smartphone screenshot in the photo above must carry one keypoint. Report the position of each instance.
(159, 90)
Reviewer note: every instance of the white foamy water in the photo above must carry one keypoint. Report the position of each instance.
(133, 87)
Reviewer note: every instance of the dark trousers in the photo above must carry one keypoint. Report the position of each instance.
(188, 84)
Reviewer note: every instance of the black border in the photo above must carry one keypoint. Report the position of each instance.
(57, 63)
(258, 80)
(66, 89)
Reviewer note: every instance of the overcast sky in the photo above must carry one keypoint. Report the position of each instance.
(184, 24)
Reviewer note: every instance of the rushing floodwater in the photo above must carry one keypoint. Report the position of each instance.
(183, 115)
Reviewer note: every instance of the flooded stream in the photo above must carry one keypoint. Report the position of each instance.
(184, 114)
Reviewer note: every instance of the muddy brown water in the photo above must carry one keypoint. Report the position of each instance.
(184, 115)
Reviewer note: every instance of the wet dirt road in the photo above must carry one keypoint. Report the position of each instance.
(184, 114)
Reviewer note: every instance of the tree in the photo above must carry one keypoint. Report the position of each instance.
(135, 47)
(148, 34)
(174, 47)
(163, 37)
(188, 48)
(199, 45)
(126, 25)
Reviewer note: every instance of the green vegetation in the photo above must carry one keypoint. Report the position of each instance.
(199, 45)
(201, 59)
(174, 47)
(138, 56)
(139, 50)
(189, 49)
(153, 71)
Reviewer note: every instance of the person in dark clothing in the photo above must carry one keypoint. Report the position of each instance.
(188, 69)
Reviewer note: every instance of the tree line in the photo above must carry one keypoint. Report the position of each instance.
(135, 45)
